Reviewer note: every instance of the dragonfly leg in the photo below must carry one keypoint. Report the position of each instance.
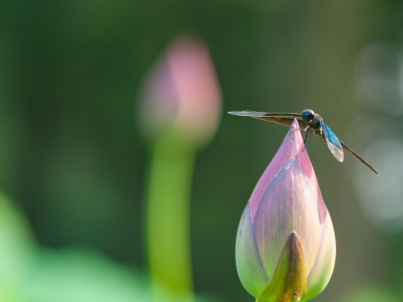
(306, 136)
(308, 131)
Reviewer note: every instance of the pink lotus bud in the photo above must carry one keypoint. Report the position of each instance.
(182, 93)
(286, 248)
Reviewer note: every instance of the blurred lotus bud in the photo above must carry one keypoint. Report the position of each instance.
(286, 248)
(181, 93)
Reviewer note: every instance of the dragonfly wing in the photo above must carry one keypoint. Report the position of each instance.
(333, 143)
(285, 119)
(358, 157)
(256, 114)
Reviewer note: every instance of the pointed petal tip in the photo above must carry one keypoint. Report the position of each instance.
(295, 124)
(295, 136)
(293, 237)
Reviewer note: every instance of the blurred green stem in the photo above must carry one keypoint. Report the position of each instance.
(168, 209)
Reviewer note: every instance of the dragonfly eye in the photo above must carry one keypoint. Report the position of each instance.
(308, 115)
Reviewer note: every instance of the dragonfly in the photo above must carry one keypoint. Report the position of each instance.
(310, 122)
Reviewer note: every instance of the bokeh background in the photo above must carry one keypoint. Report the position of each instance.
(73, 160)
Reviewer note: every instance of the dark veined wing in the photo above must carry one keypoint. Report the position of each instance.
(333, 143)
(281, 118)
(358, 157)
(256, 114)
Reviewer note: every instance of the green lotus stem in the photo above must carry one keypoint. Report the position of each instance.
(168, 207)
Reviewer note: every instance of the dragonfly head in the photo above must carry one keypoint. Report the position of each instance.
(308, 115)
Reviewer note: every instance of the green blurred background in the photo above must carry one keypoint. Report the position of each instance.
(72, 157)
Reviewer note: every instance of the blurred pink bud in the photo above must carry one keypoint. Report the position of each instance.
(181, 93)
(286, 248)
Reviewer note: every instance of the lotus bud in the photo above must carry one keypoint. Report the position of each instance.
(179, 111)
(181, 94)
(285, 247)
